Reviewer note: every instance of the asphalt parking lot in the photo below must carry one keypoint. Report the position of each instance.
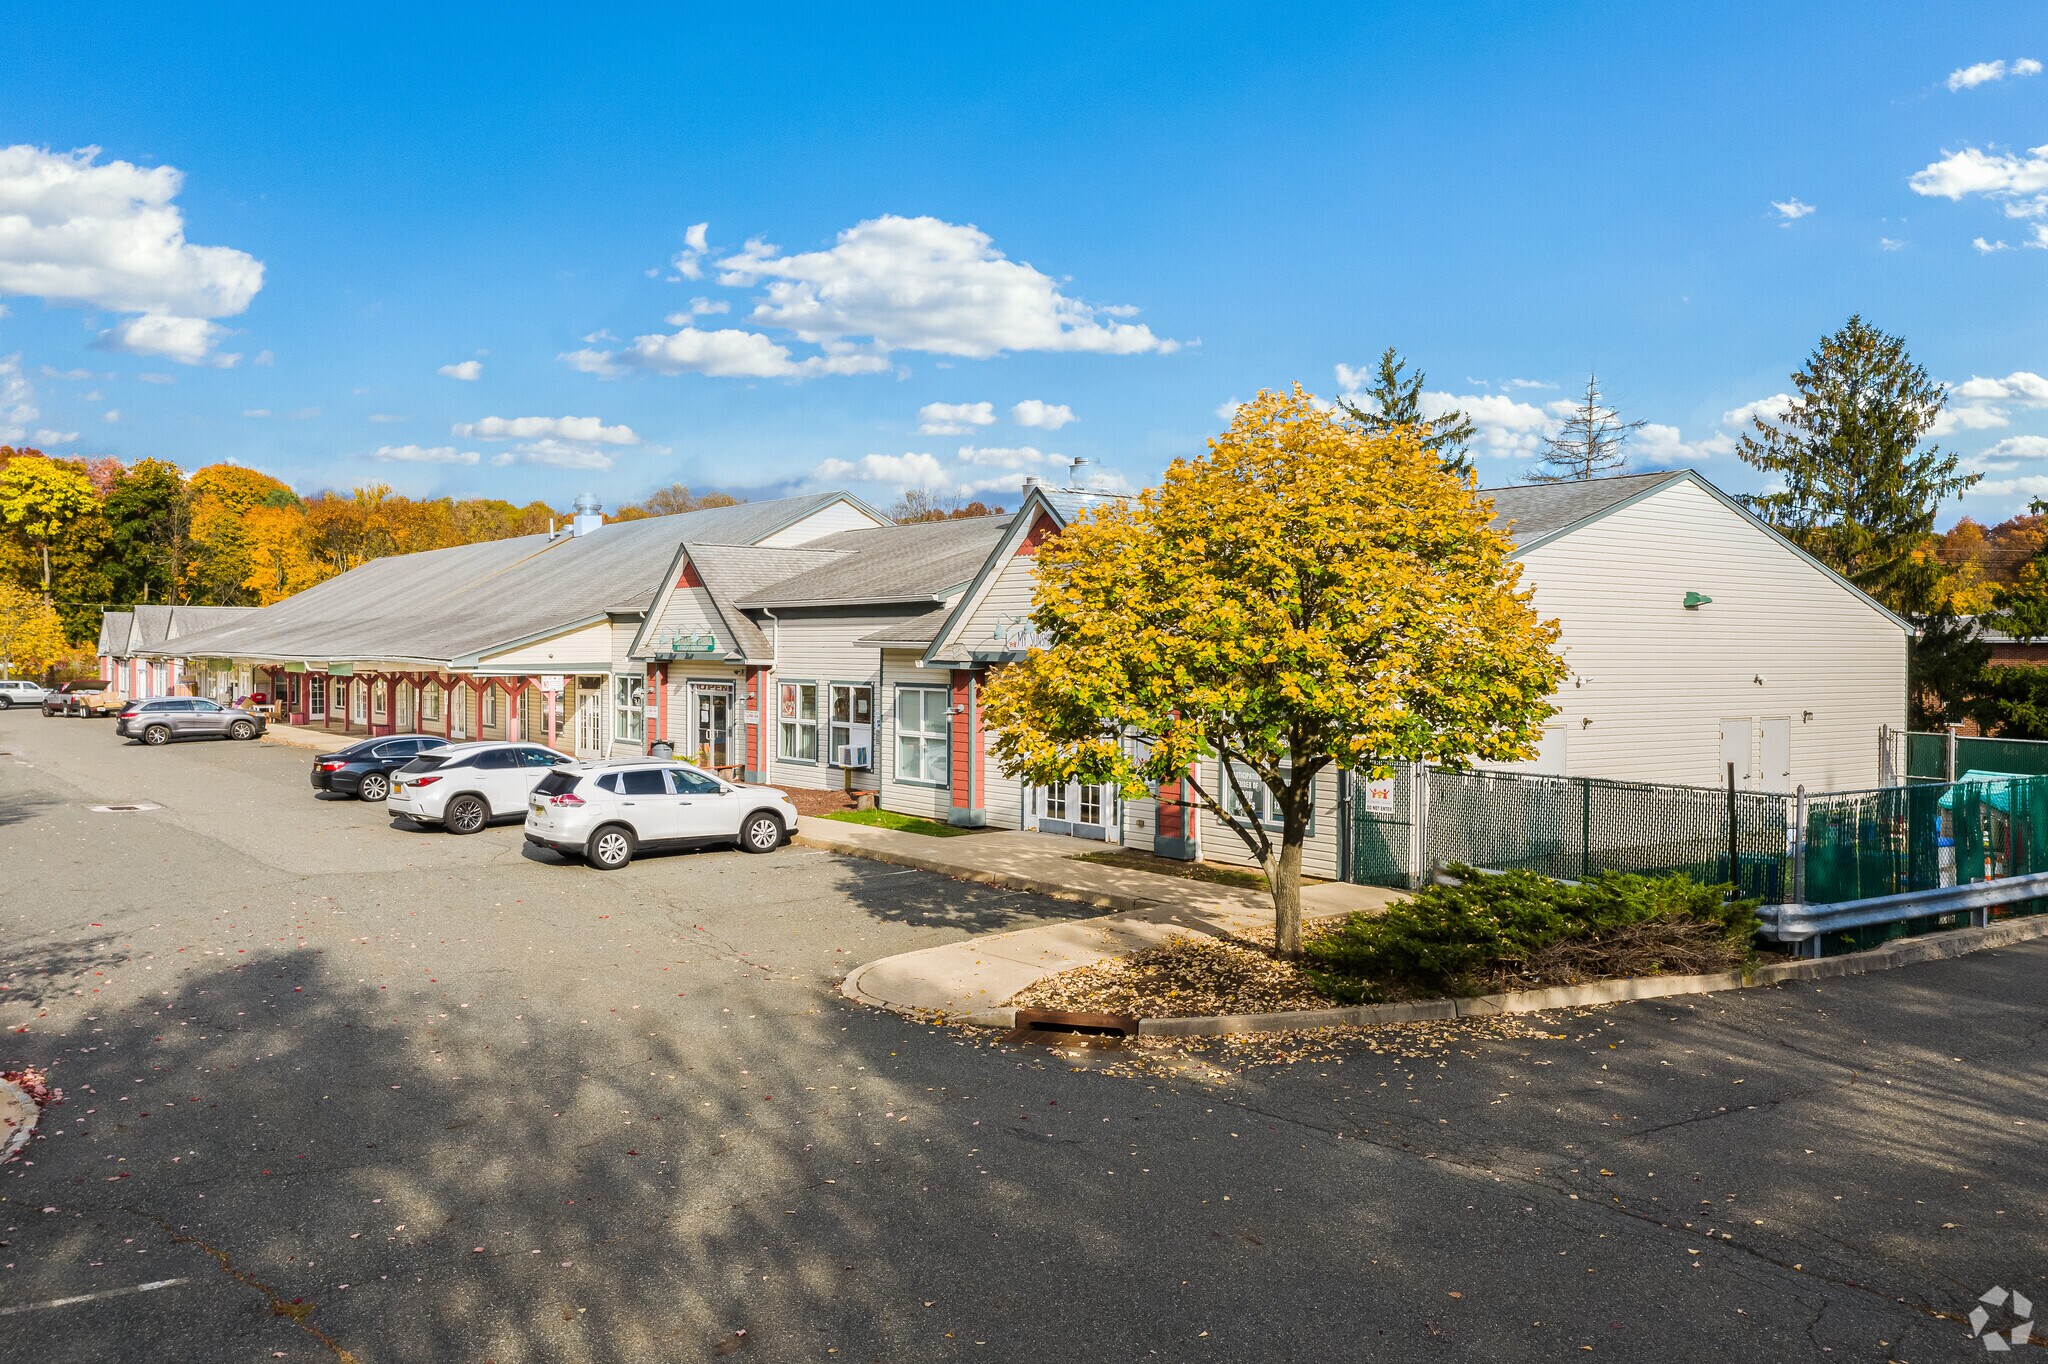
(336, 1090)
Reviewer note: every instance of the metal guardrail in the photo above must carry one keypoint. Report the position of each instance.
(1803, 923)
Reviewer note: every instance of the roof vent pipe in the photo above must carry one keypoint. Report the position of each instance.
(589, 515)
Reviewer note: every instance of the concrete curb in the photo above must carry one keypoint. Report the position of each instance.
(1032, 885)
(19, 1113)
(1901, 952)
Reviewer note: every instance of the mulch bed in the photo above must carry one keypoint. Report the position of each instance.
(816, 804)
(1191, 976)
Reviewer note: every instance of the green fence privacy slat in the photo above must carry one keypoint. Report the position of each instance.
(1927, 757)
(2022, 757)
(1576, 827)
(1382, 847)
(1920, 837)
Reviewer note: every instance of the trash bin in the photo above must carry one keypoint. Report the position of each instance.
(661, 748)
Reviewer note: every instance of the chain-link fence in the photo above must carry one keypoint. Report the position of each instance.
(1928, 756)
(1851, 845)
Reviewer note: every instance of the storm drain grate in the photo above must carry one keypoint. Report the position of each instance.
(1059, 1028)
(130, 808)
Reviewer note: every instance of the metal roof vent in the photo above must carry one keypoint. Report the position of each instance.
(589, 515)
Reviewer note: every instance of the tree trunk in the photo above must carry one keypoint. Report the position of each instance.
(46, 573)
(1283, 875)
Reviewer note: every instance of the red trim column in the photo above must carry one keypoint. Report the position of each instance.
(515, 692)
(1175, 835)
(970, 804)
(755, 703)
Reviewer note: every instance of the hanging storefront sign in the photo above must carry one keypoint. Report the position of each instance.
(551, 682)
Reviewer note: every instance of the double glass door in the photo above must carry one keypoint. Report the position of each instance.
(710, 732)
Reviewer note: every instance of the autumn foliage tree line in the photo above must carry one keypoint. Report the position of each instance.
(81, 535)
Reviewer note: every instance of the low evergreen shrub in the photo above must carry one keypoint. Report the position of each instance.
(1484, 933)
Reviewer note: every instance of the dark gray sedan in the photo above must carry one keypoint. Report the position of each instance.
(161, 719)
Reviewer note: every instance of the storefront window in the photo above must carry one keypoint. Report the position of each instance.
(629, 707)
(923, 724)
(851, 740)
(797, 721)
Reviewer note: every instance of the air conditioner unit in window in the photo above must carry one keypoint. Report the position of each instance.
(852, 755)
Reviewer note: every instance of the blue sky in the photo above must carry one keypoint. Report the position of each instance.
(1121, 218)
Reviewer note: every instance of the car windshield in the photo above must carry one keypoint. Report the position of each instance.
(556, 783)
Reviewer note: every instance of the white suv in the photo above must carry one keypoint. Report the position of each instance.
(604, 812)
(16, 692)
(463, 787)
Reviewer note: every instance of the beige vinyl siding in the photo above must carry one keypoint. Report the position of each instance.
(587, 648)
(1002, 793)
(623, 629)
(1651, 681)
(1220, 842)
(899, 669)
(688, 609)
(1006, 601)
(827, 520)
(501, 700)
(818, 646)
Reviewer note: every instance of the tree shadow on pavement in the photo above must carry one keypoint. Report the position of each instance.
(920, 899)
(373, 1170)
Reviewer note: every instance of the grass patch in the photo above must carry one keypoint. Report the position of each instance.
(889, 819)
(1173, 866)
(1519, 931)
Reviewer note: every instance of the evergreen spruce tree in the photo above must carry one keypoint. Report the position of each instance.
(1590, 443)
(1393, 402)
(1859, 490)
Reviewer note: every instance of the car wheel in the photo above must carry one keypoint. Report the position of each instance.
(610, 848)
(466, 814)
(762, 833)
(374, 787)
(6, 703)
(156, 734)
(241, 729)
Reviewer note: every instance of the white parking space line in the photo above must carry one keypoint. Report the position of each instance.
(92, 1297)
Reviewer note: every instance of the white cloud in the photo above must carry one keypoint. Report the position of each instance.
(1527, 383)
(1004, 456)
(2034, 485)
(386, 417)
(1982, 73)
(111, 237)
(469, 371)
(1791, 210)
(1502, 426)
(187, 340)
(954, 419)
(420, 454)
(1227, 409)
(112, 414)
(688, 263)
(1890, 244)
(909, 470)
(1662, 446)
(255, 411)
(156, 379)
(586, 430)
(304, 414)
(17, 401)
(702, 307)
(2019, 447)
(2021, 386)
(1968, 417)
(1763, 409)
(265, 358)
(926, 285)
(47, 437)
(2017, 184)
(1351, 380)
(49, 373)
(1042, 415)
(724, 354)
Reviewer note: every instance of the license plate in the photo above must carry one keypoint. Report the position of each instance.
(538, 808)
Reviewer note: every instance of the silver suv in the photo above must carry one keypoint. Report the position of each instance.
(161, 719)
(604, 812)
(15, 691)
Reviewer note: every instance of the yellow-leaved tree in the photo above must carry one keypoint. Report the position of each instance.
(1306, 596)
(31, 634)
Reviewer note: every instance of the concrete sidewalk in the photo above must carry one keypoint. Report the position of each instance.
(972, 981)
(302, 736)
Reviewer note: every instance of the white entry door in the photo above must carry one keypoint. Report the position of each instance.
(1736, 737)
(589, 717)
(1776, 735)
(1077, 810)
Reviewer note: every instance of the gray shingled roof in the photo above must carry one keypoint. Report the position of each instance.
(1532, 511)
(115, 627)
(914, 633)
(446, 605)
(920, 562)
(731, 572)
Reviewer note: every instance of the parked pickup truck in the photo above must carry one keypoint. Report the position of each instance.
(88, 697)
